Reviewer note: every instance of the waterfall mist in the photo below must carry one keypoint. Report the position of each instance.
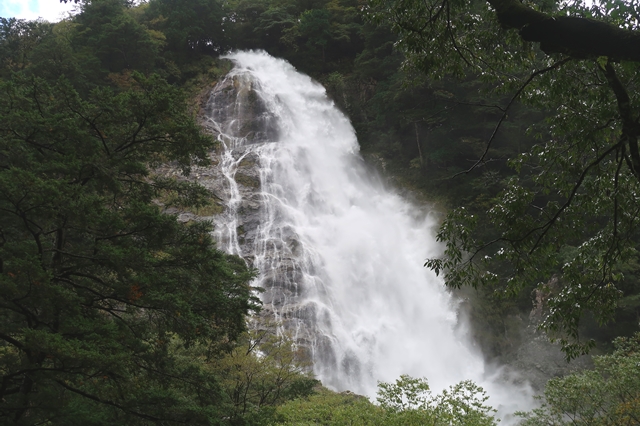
(339, 255)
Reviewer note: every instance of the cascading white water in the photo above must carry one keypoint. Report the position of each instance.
(340, 256)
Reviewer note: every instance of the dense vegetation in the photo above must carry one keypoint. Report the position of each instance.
(408, 401)
(606, 396)
(111, 311)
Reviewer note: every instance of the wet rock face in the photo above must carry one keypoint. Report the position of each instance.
(239, 119)
(237, 116)
(236, 109)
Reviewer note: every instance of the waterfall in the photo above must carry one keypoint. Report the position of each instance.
(340, 256)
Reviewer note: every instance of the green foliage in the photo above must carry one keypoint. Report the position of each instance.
(18, 40)
(318, 36)
(407, 393)
(106, 30)
(259, 24)
(607, 395)
(551, 220)
(329, 408)
(408, 401)
(190, 25)
(264, 370)
(316, 28)
(54, 57)
(95, 280)
(443, 38)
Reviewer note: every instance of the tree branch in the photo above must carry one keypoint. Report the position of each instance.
(630, 127)
(545, 228)
(576, 37)
(107, 402)
(506, 110)
(12, 341)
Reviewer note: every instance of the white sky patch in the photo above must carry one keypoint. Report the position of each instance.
(49, 10)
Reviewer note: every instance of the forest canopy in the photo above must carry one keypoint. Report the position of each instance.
(95, 280)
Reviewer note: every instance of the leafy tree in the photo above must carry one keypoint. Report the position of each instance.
(329, 408)
(263, 371)
(408, 401)
(571, 212)
(191, 25)
(606, 396)
(54, 57)
(346, 27)
(322, 38)
(18, 39)
(316, 28)
(273, 22)
(106, 31)
(96, 281)
(257, 24)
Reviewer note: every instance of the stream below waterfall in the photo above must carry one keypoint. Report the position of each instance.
(339, 255)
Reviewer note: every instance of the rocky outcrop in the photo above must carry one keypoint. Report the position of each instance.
(234, 109)
(537, 358)
(242, 123)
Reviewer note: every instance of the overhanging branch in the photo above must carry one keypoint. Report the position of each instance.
(573, 36)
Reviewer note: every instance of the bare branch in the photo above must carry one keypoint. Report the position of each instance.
(506, 110)
(545, 228)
